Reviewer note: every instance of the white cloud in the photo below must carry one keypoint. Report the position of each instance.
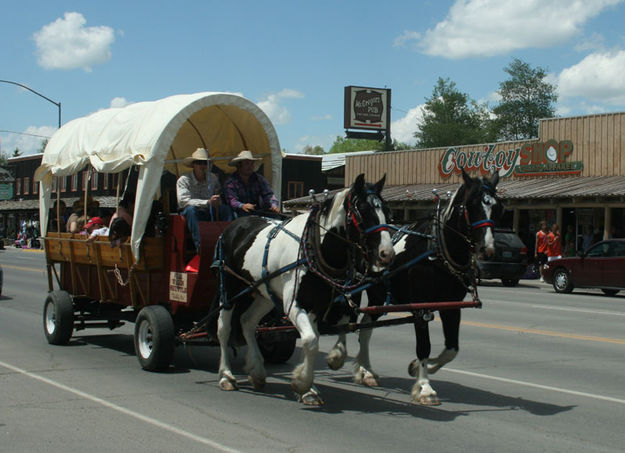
(595, 41)
(273, 106)
(484, 28)
(407, 37)
(403, 129)
(598, 77)
(28, 142)
(67, 44)
(119, 102)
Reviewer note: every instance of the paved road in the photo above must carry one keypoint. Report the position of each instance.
(537, 371)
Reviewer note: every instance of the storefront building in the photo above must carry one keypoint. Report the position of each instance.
(573, 174)
(19, 203)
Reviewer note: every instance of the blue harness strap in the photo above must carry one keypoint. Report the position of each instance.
(265, 273)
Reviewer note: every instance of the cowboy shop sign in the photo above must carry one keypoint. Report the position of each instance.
(531, 159)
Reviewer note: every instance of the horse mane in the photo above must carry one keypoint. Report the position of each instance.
(331, 207)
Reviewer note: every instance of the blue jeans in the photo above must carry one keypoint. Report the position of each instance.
(194, 215)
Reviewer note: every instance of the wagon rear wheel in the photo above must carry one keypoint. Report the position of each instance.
(277, 351)
(154, 338)
(58, 317)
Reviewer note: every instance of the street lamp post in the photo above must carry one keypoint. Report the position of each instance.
(58, 104)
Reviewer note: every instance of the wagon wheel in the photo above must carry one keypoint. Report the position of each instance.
(154, 338)
(277, 351)
(280, 349)
(58, 317)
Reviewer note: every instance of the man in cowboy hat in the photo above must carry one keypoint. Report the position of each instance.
(198, 194)
(247, 190)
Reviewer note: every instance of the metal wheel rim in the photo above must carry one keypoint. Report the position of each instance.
(144, 339)
(50, 318)
(561, 280)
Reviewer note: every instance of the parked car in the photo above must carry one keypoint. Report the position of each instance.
(508, 263)
(601, 266)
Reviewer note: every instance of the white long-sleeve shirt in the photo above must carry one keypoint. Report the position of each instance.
(191, 192)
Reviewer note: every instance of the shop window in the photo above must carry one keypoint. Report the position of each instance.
(74, 186)
(398, 215)
(95, 177)
(295, 189)
(63, 180)
(26, 185)
(18, 186)
(105, 181)
(54, 184)
(85, 179)
(35, 187)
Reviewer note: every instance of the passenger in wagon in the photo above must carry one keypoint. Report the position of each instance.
(248, 191)
(198, 193)
(95, 227)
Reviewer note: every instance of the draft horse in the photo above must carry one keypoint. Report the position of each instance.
(433, 263)
(297, 266)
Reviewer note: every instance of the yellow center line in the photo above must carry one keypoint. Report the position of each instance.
(21, 268)
(548, 333)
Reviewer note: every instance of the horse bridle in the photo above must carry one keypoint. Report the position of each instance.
(354, 217)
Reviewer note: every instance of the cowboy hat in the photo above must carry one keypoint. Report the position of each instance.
(198, 154)
(243, 155)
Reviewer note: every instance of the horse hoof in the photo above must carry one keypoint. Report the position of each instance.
(413, 368)
(228, 385)
(310, 399)
(428, 400)
(257, 383)
(299, 388)
(336, 363)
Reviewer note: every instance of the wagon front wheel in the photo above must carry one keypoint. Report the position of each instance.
(58, 317)
(154, 338)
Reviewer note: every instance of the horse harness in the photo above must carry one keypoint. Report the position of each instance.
(309, 255)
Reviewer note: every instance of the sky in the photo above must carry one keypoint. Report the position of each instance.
(293, 58)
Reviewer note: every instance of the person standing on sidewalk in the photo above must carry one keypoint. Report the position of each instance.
(554, 243)
(541, 247)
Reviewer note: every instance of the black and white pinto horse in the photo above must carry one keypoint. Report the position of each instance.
(446, 245)
(350, 239)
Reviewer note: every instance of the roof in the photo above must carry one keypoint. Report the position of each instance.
(335, 160)
(516, 189)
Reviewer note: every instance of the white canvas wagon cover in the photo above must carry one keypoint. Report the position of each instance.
(155, 136)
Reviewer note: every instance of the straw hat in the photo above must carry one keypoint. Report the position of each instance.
(198, 154)
(243, 155)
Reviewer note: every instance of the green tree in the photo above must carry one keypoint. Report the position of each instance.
(4, 158)
(314, 150)
(450, 117)
(44, 143)
(349, 145)
(16, 153)
(525, 98)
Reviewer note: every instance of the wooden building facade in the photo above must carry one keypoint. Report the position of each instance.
(573, 174)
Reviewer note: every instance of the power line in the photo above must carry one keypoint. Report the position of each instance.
(25, 133)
